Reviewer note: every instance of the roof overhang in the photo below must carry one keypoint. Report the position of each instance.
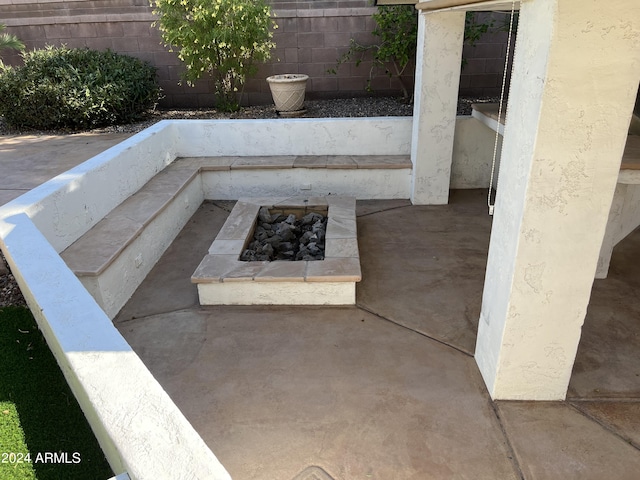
(395, 2)
(467, 5)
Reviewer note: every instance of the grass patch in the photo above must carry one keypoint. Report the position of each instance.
(39, 416)
(12, 441)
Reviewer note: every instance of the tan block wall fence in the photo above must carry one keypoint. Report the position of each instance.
(311, 37)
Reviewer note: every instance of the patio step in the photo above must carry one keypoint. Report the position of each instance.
(114, 256)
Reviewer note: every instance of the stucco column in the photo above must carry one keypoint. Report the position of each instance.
(574, 81)
(438, 61)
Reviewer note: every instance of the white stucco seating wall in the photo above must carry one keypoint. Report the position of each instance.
(471, 163)
(138, 427)
(116, 254)
(328, 136)
(67, 206)
(114, 283)
(359, 183)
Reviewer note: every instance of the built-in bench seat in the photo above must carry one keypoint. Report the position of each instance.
(298, 161)
(630, 165)
(119, 251)
(624, 216)
(487, 113)
(92, 253)
(113, 257)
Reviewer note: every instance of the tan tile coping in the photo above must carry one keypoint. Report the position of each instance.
(342, 259)
(298, 161)
(487, 113)
(490, 110)
(92, 253)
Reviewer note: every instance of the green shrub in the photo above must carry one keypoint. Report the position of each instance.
(76, 89)
(397, 29)
(223, 38)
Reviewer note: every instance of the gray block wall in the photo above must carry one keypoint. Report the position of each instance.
(312, 35)
(483, 65)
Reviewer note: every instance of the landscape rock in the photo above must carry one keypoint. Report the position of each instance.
(285, 237)
(264, 215)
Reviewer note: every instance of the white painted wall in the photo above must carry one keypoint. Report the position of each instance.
(359, 183)
(473, 154)
(301, 136)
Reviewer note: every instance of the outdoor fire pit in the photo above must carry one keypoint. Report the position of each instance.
(318, 264)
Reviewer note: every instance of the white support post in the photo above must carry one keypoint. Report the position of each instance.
(438, 62)
(574, 81)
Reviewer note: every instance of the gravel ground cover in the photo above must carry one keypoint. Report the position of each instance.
(330, 108)
(10, 293)
(343, 107)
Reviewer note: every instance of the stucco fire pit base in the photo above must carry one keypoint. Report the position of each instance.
(223, 279)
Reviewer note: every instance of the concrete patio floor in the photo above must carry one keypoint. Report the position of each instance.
(386, 389)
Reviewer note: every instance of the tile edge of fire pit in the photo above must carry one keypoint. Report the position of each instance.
(222, 266)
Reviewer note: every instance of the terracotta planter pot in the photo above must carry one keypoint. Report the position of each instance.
(288, 91)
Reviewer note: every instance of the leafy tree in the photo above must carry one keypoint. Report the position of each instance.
(223, 38)
(473, 29)
(397, 29)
